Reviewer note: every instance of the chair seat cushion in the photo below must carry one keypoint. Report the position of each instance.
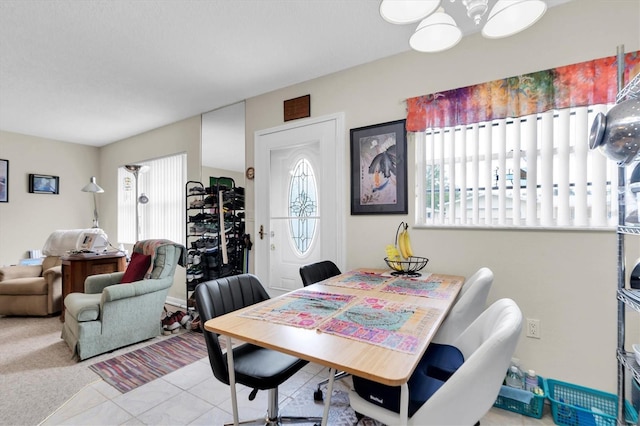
(26, 286)
(436, 366)
(263, 368)
(83, 307)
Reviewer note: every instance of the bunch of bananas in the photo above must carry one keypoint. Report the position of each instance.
(401, 250)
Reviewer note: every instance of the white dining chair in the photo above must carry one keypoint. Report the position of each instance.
(470, 303)
(487, 345)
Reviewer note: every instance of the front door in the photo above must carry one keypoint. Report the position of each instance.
(300, 207)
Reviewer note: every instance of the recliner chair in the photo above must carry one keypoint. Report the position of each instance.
(256, 367)
(110, 315)
(32, 289)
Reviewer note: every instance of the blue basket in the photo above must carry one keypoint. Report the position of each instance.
(577, 405)
(533, 409)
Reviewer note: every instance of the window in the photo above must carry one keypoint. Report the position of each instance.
(532, 171)
(515, 152)
(162, 181)
(303, 206)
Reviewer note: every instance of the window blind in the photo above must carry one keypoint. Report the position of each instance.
(164, 215)
(532, 171)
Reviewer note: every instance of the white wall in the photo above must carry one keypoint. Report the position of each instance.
(183, 136)
(567, 280)
(27, 219)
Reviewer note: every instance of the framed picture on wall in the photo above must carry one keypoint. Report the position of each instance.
(43, 184)
(379, 169)
(4, 181)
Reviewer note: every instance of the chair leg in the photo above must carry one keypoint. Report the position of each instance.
(317, 395)
(272, 410)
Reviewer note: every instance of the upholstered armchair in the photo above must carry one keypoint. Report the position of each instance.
(122, 308)
(31, 290)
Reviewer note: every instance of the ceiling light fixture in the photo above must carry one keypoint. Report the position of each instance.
(438, 30)
(407, 11)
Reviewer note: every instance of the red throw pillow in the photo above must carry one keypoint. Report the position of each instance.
(138, 266)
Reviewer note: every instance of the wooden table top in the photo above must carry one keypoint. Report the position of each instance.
(363, 359)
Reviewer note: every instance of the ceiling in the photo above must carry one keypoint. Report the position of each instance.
(97, 71)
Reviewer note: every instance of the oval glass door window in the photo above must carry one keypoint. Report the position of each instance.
(303, 206)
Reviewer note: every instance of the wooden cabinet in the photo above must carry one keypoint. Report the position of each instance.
(77, 267)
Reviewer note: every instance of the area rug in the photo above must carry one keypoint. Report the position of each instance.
(128, 371)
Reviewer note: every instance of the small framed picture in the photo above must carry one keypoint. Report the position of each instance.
(44, 184)
(4, 181)
(379, 169)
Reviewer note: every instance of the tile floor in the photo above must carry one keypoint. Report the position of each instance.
(192, 396)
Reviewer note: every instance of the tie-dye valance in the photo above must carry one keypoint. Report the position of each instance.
(586, 83)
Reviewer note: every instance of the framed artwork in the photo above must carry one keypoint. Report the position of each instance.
(44, 184)
(4, 181)
(379, 169)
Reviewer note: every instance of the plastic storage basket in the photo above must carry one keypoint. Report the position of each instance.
(534, 408)
(577, 405)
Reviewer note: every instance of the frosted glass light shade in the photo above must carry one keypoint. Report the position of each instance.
(509, 17)
(435, 33)
(406, 11)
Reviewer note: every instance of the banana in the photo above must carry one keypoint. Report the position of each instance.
(392, 252)
(402, 244)
(393, 256)
(407, 244)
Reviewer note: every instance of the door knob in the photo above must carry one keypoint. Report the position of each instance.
(261, 232)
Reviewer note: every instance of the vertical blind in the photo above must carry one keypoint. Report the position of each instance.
(533, 171)
(164, 215)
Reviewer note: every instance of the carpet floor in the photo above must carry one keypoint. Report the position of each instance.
(37, 371)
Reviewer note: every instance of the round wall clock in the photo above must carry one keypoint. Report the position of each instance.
(250, 173)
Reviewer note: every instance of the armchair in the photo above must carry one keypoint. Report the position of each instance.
(31, 289)
(111, 314)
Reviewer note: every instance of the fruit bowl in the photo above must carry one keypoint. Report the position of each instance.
(409, 267)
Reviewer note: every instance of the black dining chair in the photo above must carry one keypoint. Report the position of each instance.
(319, 271)
(311, 274)
(256, 367)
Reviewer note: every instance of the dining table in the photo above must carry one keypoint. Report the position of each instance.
(367, 322)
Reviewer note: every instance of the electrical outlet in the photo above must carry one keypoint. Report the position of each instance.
(533, 328)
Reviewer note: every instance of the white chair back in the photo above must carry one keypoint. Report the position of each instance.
(470, 303)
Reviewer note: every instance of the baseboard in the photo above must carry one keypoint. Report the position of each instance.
(174, 301)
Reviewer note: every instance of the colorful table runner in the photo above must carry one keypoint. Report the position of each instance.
(357, 279)
(393, 325)
(434, 287)
(303, 308)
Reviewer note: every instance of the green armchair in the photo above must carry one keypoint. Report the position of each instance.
(110, 315)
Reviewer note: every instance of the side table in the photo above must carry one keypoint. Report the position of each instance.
(77, 267)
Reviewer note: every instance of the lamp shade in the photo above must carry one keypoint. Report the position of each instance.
(435, 33)
(407, 11)
(92, 186)
(509, 17)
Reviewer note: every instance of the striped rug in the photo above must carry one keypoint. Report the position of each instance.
(128, 371)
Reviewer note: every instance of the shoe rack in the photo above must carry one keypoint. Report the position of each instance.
(215, 231)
